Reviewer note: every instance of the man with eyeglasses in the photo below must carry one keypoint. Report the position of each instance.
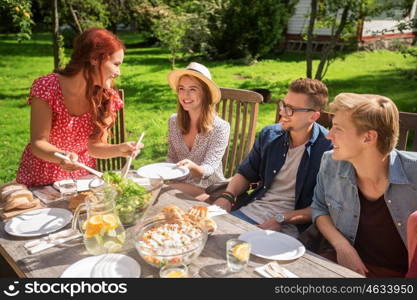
(284, 161)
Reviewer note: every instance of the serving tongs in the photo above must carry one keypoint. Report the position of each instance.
(126, 167)
(81, 165)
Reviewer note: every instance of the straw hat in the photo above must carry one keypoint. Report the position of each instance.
(199, 71)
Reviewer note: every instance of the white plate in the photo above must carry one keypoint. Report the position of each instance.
(166, 171)
(273, 245)
(104, 266)
(38, 222)
(82, 184)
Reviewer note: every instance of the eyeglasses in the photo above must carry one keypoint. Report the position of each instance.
(289, 110)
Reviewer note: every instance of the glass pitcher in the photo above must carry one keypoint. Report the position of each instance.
(102, 229)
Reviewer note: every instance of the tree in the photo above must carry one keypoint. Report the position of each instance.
(250, 28)
(19, 11)
(56, 37)
(342, 17)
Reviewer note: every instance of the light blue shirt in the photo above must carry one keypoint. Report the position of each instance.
(336, 193)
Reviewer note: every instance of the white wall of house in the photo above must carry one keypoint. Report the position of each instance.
(387, 24)
(298, 23)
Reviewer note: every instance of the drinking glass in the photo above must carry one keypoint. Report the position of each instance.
(67, 187)
(237, 254)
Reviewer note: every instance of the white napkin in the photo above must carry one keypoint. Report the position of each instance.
(214, 210)
(82, 184)
(261, 271)
(46, 245)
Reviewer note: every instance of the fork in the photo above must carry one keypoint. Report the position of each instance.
(275, 270)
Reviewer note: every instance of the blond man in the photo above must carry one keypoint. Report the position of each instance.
(365, 188)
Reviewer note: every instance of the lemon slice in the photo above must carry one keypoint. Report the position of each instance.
(93, 226)
(110, 221)
(112, 246)
(241, 251)
(175, 274)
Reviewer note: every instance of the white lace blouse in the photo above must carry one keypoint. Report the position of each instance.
(207, 150)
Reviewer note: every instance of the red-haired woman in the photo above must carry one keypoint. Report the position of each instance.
(72, 111)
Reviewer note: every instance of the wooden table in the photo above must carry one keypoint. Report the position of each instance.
(53, 262)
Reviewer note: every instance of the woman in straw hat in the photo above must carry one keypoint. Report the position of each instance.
(197, 136)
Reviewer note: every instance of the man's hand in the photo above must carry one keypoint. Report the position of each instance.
(270, 224)
(348, 257)
(223, 203)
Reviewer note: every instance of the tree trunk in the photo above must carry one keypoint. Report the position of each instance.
(55, 34)
(309, 48)
(74, 16)
(327, 50)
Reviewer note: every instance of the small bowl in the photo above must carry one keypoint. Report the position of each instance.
(180, 271)
(177, 255)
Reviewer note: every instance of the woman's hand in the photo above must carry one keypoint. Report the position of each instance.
(69, 165)
(190, 165)
(195, 170)
(129, 148)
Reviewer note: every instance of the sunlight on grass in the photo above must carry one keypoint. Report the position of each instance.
(150, 101)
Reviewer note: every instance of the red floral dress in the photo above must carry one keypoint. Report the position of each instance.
(69, 133)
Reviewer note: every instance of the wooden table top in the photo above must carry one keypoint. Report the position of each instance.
(52, 262)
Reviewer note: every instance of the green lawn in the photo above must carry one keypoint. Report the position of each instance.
(149, 100)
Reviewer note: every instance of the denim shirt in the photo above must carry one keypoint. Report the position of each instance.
(336, 193)
(268, 156)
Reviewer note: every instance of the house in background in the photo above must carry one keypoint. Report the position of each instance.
(372, 33)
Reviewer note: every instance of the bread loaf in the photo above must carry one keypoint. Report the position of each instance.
(76, 200)
(9, 188)
(20, 199)
(210, 225)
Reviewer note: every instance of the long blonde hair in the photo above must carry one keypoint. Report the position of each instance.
(207, 116)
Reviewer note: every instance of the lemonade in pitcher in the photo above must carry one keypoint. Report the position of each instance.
(102, 230)
(103, 234)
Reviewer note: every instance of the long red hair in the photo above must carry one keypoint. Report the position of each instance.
(94, 44)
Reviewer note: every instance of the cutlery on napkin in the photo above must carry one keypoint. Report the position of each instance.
(51, 240)
(274, 270)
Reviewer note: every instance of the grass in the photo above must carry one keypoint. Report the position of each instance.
(149, 100)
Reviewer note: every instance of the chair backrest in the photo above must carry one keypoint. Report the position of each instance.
(118, 135)
(240, 108)
(408, 132)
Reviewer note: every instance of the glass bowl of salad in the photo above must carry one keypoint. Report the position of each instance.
(162, 242)
(134, 196)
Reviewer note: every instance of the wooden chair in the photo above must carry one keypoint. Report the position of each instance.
(118, 136)
(408, 128)
(240, 108)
